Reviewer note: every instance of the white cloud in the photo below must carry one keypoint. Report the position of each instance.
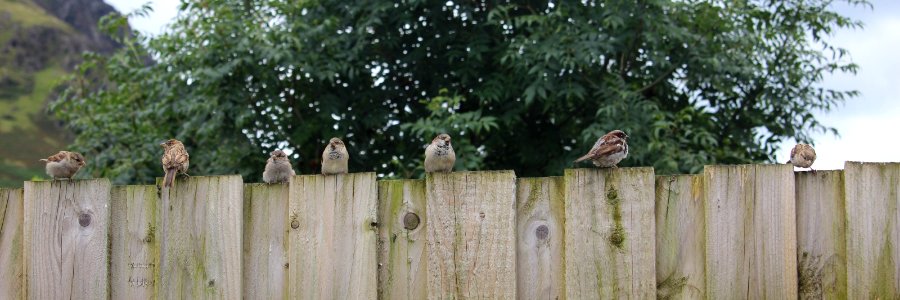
(163, 13)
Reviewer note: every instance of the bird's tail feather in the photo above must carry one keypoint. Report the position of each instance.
(583, 158)
(44, 160)
(170, 177)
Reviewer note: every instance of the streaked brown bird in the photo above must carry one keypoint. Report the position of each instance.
(278, 168)
(335, 158)
(439, 155)
(803, 156)
(64, 164)
(175, 160)
(609, 150)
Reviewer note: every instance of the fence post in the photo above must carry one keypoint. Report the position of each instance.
(333, 247)
(873, 230)
(610, 234)
(680, 238)
(402, 226)
(540, 221)
(821, 235)
(471, 240)
(67, 239)
(12, 274)
(134, 242)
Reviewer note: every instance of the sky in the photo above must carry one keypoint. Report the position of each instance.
(869, 125)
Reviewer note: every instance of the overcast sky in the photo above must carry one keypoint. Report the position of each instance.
(869, 125)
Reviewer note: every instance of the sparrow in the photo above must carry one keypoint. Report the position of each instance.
(609, 150)
(175, 159)
(802, 156)
(439, 155)
(278, 168)
(64, 164)
(335, 158)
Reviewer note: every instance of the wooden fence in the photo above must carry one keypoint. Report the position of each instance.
(732, 232)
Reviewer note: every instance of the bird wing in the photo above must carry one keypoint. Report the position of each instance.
(607, 149)
(57, 157)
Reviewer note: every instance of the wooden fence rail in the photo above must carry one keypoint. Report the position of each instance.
(732, 232)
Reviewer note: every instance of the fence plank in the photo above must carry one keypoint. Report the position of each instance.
(66, 239)
(821, 235)
(333, 249)
(540, 220)
(680, 239)
(401, 239)
(266, 227)
(471, 235)
(751, 239)
(200, 251)
(610, 234)
(12, 274)
(873, 230)
(134, 242)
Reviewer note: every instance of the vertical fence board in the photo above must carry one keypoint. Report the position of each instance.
(873, 230)
(12, 221)
(265, 241)
(471, 234)
(610, 234)
(680, 237)
(821, 235)
(200, 254)
(134, 242)
(333, 250)
(751, 238)
(401, 239)
(540, 220)
(66, 239)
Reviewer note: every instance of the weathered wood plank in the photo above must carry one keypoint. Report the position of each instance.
(680, 239)
(610, 234)
(12, 220)
(873, 230)
(540, 220)
(266, 227)
(200, 250)
(333, 248)
(401, 239)
(471, 240)
(134, 242)
(821, 235)
(751, 240)
(66, 239)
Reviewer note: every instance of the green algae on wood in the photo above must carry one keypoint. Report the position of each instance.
(401, 242)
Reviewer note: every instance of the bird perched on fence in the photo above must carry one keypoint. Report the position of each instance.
(278, 168)
(803, 156)
(175, 160)
(439, 155)
(64, 164)
(609, 150)
(335, 158)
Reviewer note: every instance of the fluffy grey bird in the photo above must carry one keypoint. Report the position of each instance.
(175, 160)
(278, 168)
(64, 164)
(439, 156)
(803, 156)
(609, 150)
(335, 158)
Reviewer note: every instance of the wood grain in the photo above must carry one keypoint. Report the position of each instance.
(12, 220)
(610, 234)
(873, 230)
(266, 225)
(471, 241)
(134, 242)
(401, 239)
(67, 238)
(333, 250)
(821, 235)
(201, 238)
(751, 240)
(680, 237)
(540, 221)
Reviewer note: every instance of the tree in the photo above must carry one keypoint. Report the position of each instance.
(523, 85)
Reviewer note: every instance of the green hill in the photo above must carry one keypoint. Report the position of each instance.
(40, 42)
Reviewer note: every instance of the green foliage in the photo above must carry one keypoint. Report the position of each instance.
(527, 85)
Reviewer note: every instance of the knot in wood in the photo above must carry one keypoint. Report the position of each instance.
(542, 232)
(84, 220)
(295, 224)
(410, 221)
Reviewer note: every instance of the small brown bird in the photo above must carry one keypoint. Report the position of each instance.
(335, 158)
(439, 155)
(803, 156)
(278, 168)
(64, 164)
(175, 159)
(609, 150)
